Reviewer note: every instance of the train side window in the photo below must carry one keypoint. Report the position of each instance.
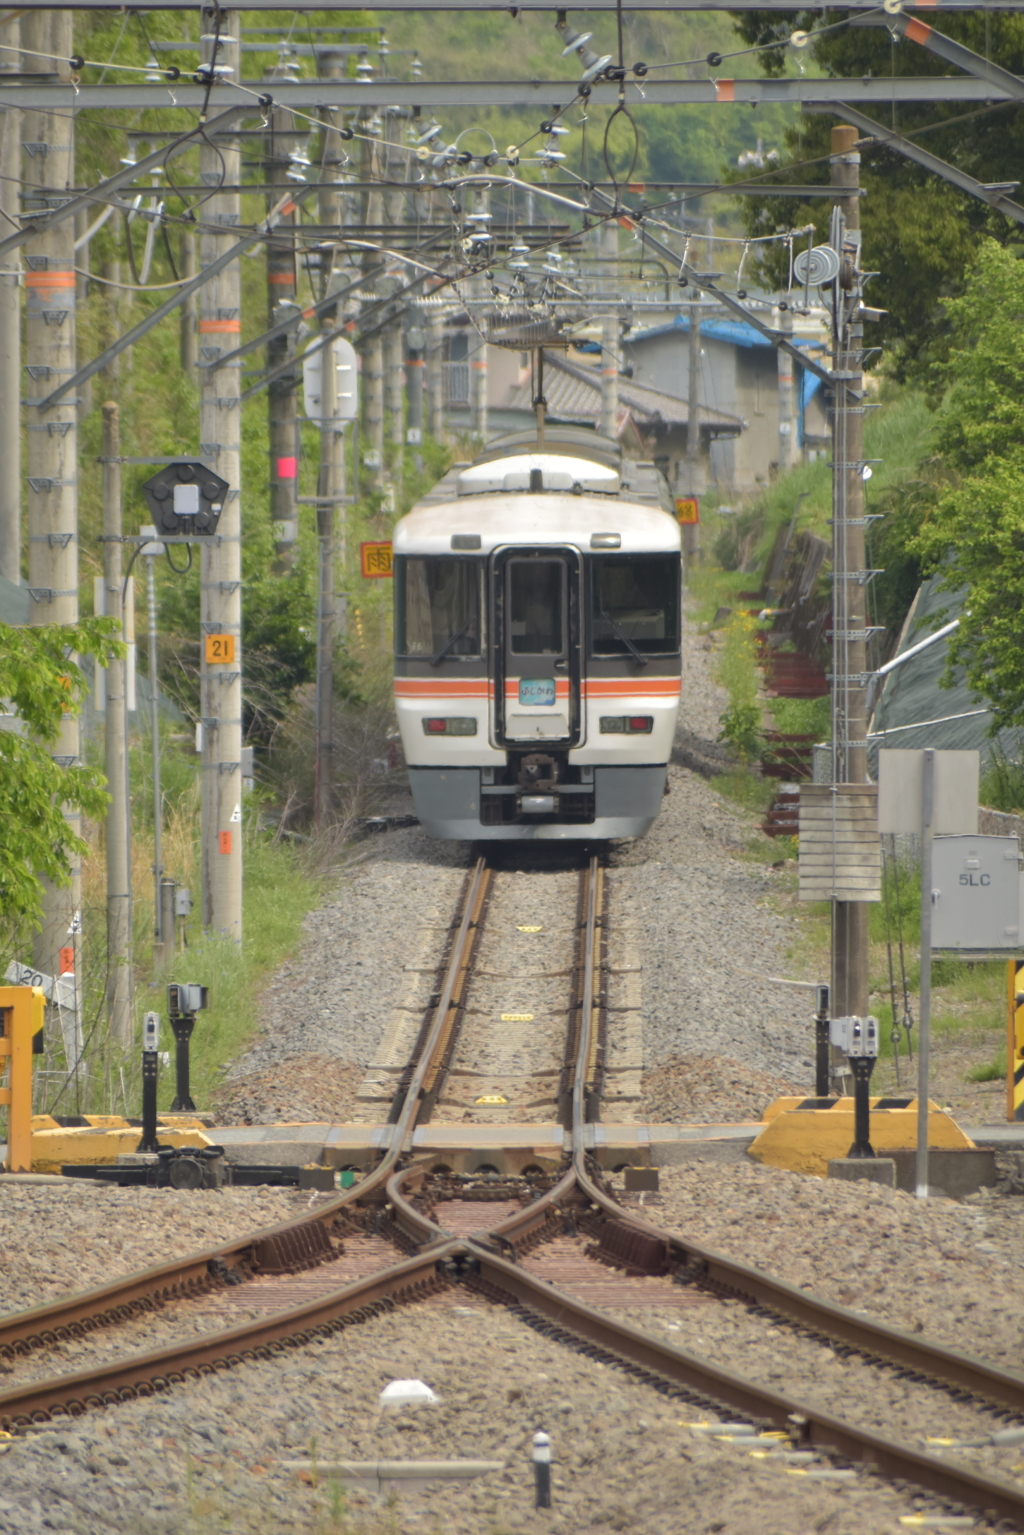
(437, 608)
(635, 604)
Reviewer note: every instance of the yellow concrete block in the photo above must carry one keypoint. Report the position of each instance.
(53, 1149)
(806, 1140)
(780, 1106)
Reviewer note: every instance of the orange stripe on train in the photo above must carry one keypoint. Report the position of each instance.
(407, 687)
(627, 687)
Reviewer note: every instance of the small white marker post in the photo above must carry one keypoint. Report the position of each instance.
(542, 1470)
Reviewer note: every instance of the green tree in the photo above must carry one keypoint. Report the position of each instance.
(975, 534)
(919, 232)
(40, 681)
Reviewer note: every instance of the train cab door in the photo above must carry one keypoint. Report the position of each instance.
(537, 646)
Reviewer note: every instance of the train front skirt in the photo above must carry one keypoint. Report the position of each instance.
(619, 802)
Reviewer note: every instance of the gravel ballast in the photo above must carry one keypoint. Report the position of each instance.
(705, 909)
(705, 917)
(213, 1455)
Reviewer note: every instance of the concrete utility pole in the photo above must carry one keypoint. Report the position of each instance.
(786, 398)
(332, 441)
(434, 373)
(693, 471)
(694, 478)
(849, 637)
(52, 447)
(373, 351)
(221, 571)
(282, 422)
(373, 405)
(609, 337)
(119, 884)
(111, 320)
(415, 340)
(10, 330)
(394, 394)
(190, 307)
(477, 345)
(325, 523)
(395, 167)
(330, 488)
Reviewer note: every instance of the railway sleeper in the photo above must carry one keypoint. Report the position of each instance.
(68, 1331)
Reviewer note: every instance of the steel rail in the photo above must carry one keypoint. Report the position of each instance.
(581, 1003)
(876, 1340)
(697, 1264)
(660, 1364)
(104, 1305)
(142, 1374)
(664, 1365)
(474, 1261)
(581, 1053)
(432, 1050)
(453, 998)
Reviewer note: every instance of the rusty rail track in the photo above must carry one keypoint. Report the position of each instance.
(486, 1263)
(438, 1034)
(290, 1245)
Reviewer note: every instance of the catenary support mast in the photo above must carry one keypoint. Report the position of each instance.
(119, 888)
(849, 639)
(221, 571)
(51, 436)
(282, 424)
(10, 330)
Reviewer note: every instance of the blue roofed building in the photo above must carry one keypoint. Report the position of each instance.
(739, 377)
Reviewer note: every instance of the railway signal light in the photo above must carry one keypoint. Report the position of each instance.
(858, 1039)
(183, 1002)
(150, 1067)
(185, 499)
(821, 1041)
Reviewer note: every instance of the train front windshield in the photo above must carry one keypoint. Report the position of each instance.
(437, 608)
(635, 604)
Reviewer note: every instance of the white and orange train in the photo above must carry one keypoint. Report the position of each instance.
(537, 642)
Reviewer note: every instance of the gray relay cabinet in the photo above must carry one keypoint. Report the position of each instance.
(976, 893)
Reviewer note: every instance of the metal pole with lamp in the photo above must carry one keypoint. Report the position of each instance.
(151, 552)
(186, 499)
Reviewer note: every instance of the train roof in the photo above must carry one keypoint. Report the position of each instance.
(570, 459)
(575, 488)
(577, 441)
(481, 524)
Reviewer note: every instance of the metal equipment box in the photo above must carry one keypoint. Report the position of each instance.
(976, 893)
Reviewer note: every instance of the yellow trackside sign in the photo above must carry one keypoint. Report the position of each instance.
(1015, 1039)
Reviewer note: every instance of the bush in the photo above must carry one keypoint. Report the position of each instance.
(737, 672)
(1002, 783)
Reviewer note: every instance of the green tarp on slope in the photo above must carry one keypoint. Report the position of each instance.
(912, 694)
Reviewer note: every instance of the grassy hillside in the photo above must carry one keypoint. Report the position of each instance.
(897, 436)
